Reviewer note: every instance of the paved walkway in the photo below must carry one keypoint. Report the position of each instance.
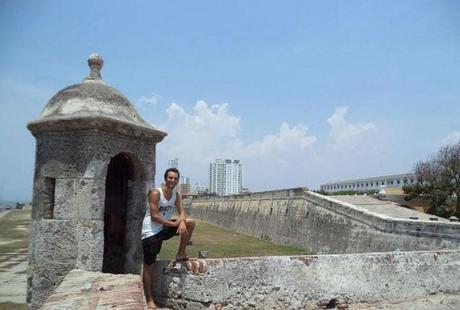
(13, 277)
(387, 208)
(13, 265)
(432, 302)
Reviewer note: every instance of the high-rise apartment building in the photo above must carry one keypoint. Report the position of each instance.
(184, 185)
(225, 177)
(173, 163)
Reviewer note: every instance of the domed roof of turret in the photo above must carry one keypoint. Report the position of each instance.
(91, 99)
(92, 96)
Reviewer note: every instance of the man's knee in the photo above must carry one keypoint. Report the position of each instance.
(189, 222)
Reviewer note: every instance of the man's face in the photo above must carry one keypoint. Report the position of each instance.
(171, 179)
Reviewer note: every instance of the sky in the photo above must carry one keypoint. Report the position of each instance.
(302, 92)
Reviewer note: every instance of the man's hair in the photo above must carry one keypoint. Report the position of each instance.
(171, 170)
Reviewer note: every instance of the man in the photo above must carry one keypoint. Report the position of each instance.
(158, 226)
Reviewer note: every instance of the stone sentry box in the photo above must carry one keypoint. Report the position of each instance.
(95, 160)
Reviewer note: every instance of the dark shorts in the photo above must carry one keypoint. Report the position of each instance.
(152, 245)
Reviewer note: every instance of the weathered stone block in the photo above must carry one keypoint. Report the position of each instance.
(64, 203)
(43, 279)
(89, 197)
(54, 241)
(90, 244)
(56, 164)
(96, 169)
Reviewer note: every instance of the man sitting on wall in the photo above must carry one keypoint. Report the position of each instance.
(158, 226)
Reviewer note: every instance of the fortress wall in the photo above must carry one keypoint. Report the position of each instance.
(305, 282)
(321, 224)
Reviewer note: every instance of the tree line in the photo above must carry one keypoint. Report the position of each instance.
(438, 180)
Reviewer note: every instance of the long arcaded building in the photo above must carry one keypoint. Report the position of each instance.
(370, 184)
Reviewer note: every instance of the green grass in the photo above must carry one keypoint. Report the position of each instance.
(217, 241)
(14, 227)
(225, 243)
(12, 306)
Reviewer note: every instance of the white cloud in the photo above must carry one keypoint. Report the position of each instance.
(149, 107)
(452, 138)
(199, 136)
(287, 140)
(345, 134)
(287, 156)
(211, 131)
(149, 100)
(214, 123)
(209, 127)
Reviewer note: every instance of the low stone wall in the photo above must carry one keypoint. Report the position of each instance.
(322, 224)
(308, 282)
(95, 290)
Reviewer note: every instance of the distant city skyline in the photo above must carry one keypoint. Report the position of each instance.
(302, 92)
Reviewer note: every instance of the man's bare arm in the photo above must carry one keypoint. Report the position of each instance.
(182, 228)
(179, 208)
(154, 202)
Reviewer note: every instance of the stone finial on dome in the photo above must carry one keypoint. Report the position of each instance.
(95, 63)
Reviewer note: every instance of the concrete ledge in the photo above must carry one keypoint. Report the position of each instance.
(304, 282)
(95, 290)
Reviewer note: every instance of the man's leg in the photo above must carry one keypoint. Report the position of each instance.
(147, 282)
(152, 247)
(181, 253)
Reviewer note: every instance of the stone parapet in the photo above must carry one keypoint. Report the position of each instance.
(386, 223)
(310, 282)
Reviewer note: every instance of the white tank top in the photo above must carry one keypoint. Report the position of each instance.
(166, 209)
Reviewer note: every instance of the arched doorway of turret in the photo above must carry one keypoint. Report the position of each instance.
(119, 174)
(123, 211)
